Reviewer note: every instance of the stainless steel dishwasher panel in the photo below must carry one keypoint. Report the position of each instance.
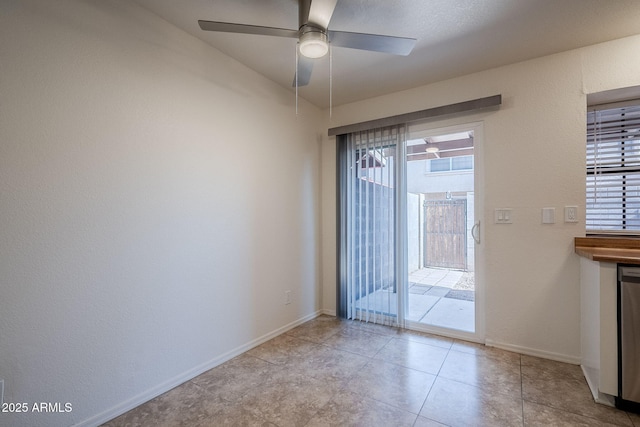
(629, 335)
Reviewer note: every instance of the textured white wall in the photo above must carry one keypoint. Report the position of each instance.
(534, 157)
(156, 200)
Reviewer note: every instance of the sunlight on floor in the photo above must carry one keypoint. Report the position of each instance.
(437, 297)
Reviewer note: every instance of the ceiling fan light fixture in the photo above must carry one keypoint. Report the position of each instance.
(432, 150)
(314, 44)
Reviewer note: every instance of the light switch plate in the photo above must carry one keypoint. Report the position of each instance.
(570, 214)
(503, 216)
(548, 215)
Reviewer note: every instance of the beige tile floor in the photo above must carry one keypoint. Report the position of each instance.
(331, 372)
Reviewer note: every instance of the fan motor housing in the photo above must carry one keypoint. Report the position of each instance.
(314, 42)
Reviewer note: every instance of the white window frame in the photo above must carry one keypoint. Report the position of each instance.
(613, 169)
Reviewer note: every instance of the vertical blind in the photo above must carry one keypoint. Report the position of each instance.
(369, 287)
(613, 169)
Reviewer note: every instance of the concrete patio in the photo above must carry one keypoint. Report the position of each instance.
(442, 297)
(437, 297)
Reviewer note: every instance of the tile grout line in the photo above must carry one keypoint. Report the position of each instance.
(521, 389)
(369, 361)
(559, 408)
(435, 379)
(391, 339)
(431, 392)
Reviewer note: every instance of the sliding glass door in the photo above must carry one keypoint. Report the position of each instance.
(409, 230)
(440, 221)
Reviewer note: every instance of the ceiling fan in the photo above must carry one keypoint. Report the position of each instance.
(314, 36)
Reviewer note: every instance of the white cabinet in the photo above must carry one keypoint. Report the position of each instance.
(598, 328)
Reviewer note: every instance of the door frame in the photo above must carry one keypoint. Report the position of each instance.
(424, 130)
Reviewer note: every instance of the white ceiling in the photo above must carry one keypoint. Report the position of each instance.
(455, 37)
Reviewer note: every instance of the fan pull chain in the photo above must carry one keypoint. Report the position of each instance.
(297, 49)
(330, 80)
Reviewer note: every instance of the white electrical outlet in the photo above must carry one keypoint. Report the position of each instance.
(570, 214)
(287, 297)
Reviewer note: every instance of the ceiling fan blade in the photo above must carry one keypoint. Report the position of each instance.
(374, 42)
(228, 27)
(305, 66)
(320, 12)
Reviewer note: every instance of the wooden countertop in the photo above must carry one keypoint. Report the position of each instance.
(623, 250)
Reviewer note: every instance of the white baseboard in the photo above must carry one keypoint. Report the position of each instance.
(558, 357)
(444, 332)
(328, 312)
(592, 377)
(605, 399)
(156, 391)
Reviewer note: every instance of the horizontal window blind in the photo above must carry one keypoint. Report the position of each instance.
(613, 170)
